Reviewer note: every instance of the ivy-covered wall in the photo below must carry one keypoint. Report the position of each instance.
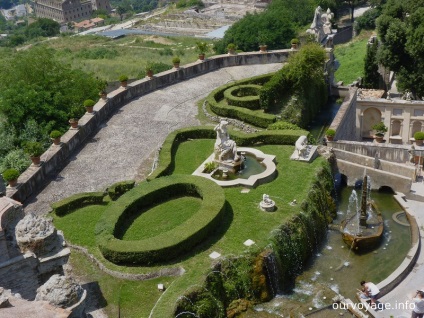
(237, 283)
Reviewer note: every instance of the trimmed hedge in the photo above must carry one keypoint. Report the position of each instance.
(246, 96)
(252, 117)
(119, 188)
(166, 245)
(77, 201)
(169, 147)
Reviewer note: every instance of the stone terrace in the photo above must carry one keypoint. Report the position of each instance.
(123, 148)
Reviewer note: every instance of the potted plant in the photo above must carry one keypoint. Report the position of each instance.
(89, 105)
(330, 133)
(231, 48)
(124, 80)
(294, 43)
(74, 114)
(419, 138)
(34, 149)
(202, 48)
(380, 130)
(11, 176)
(149, 70)
(176, 61)
(55, 137)
(263, 40)
(103, 95)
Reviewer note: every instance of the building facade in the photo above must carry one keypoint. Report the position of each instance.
(64, 11)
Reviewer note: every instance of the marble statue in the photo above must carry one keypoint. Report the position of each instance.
(326, 18)
(411, 153)
(266, 199)
(301, 145)
(317, 22)
(225, 148)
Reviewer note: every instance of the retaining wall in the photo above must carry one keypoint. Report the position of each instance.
(55, 158)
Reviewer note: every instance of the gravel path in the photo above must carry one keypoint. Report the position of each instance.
(133, 134)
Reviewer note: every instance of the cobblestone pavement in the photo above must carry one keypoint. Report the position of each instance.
(133, 134)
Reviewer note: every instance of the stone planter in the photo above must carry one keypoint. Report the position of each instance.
(13, 183)
(201, 57)
(419, 142)
(89, 109)
(263, 48)
(294, 46)
(379, 139)
(329, 138)
(124, 84)
(56, 141)
(149, 73)
(231, 52)
(36, 161)
(177, 65)
(103, 95)
(74, 123)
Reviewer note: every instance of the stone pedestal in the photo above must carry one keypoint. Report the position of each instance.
(268, 206)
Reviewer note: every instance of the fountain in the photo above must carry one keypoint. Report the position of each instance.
(267, 204)
(232, 166)
(362, 231)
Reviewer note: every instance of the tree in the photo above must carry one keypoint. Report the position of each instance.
(121, 11)
(42, 27)
(372, 77)
(35, 85)
(351, 4)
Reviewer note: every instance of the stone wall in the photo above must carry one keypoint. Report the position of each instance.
(55, 158)
(346, 116)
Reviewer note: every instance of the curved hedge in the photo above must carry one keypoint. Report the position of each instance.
(119, 188)
(252, 117)
(77, 201)
(166, 245)
(170, 145)
(246, 96)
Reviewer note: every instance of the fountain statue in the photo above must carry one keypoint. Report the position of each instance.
(225, 148)
(303, 151)
(363, 230)
(267, 204)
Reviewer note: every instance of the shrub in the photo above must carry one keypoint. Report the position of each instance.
(295, 41)
(119, 188)
(123, 78)
(15, 159)
(77, 201)
(419, 135)
(246, 96)
(10, 174)
(231, 46)
(330, 132)
(33, 149)
(202, 47)
(380, 128)
(283, 125)
(210, 166)
(89, 103)
(176, 60)
(55, 134)
(170, 244)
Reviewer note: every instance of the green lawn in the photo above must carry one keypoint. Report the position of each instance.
(351, 57)
(244, 220)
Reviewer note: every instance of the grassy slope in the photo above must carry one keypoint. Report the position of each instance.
(244, 221)
(351, 57)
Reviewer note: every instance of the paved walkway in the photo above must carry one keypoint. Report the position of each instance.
(124, 144)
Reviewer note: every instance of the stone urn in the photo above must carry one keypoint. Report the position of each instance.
(201, 57)
(379, 138)
(74, 123)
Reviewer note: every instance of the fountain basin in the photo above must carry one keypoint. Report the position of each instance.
(265, 176)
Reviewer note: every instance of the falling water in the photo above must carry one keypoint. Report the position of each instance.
(273, 273)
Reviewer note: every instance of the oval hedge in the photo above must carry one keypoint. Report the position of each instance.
(246, 96)
(76, 201)
(249, 116)
(166, 245)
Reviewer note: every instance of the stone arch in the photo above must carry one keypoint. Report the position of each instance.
(416, 125)
(386, 189)
(370, 117)
(395, 129)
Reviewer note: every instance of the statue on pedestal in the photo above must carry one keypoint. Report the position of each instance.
(225, 148)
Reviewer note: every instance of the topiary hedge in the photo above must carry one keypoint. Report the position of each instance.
(119, 188)
(252, 117)
(246, 96)
(166, 245)
(170, 145)
(77, 201)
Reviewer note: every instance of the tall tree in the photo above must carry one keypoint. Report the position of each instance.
(371, 75)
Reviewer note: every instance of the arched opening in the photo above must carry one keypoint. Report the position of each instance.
(386, 189)
(395, 129)
(370, 117)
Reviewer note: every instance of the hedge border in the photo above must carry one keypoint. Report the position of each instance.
(166, 245)
(119, 188)
(248, 101)
(252, 117)
(170, 145)
(76, 201)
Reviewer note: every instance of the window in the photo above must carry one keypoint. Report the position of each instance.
(418, 112)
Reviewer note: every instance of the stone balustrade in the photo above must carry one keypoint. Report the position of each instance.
(55, 158)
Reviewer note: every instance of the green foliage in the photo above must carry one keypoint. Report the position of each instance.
(123, 78)
(176, 60)
(210, 166)
(33, 149)
(190, 3)
(294, 41)
(166, 245)
(55, 134)
(42, 27)
(10, 174)
(367, 21)
(119, 188)
(351, 57)
(77, 201)
(330, 132)
(202, 47)
(89, 103)
(246, 96)
(15, 159)
(231, 46)
(97, 53)
(380, 128)
(283, 125)
(400, 28)
(34, 85)
(371, 75)
(419, 135)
